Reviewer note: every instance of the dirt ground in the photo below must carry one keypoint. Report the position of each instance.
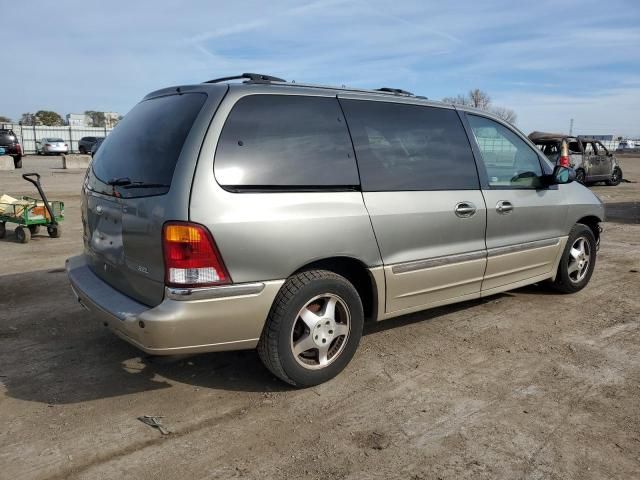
(527, 384)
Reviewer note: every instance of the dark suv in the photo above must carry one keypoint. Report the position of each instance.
(85, 143)
(9, 141)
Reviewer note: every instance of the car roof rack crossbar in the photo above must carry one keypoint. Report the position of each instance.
(396, 91)
(252, 77)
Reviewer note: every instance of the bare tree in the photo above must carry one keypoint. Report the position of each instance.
(505, 113)
(27, 119)
(458, 100)
(479, 99)
(4, 119)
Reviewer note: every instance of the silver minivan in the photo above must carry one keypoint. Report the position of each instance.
(282, 216)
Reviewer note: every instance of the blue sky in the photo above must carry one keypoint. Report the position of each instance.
(548, 60)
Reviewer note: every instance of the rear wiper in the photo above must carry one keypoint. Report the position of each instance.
(120, 181)
(145, 185)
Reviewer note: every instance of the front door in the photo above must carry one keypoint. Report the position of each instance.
(421, 189)
(525, 223)
(604, 159)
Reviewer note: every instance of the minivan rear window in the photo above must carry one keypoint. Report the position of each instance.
(285, 142)
(141, 153)
(410, 147)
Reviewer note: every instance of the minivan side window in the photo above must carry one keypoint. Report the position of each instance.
(508, 159)
(285, 142)
(410, 147)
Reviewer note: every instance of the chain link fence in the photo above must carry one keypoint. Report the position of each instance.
(29, 135)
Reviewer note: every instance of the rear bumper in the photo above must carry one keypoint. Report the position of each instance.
(186, 322)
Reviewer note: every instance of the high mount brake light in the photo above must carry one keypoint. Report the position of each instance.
(190, 256)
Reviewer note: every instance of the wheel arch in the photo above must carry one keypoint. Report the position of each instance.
(593, 223)
(358, 274)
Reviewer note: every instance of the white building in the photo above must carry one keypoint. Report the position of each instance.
(77, 120)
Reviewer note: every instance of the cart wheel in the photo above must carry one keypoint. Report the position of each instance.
(23, 234)
(54, 231)
(34, 229)
(3, 230)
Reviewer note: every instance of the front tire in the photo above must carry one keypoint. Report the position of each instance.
(578, 260)
(313, 329)
(3, 229)
(616, 177)
(581, 177)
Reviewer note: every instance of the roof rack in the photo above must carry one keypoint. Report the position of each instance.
(396, 91)
(252, 77)
(261, 78)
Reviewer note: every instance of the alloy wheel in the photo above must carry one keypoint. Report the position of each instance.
(579, 260)
(320, 331)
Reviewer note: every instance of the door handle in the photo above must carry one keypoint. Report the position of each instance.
(465, 209)
(504, 207)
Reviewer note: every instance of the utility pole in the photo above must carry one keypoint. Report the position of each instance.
(571, 127)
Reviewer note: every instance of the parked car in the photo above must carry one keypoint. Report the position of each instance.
(85, 144)
(96, 146)
(282, 216)
(627, 145)
(11, 144)
(51, 145)
(589, 157)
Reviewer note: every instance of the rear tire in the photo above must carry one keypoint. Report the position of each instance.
(616, 177)
(54, 231)
(311, 350)
(581, 177)
(577, 262)
(34, 229)
(23, 235)
(3, 229)
(17, 161)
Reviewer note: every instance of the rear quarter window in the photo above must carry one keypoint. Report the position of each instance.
(285, 142)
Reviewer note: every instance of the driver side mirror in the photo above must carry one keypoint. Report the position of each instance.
(562, 175)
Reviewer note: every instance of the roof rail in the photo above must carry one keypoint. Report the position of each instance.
(252, 77)
(396, 91)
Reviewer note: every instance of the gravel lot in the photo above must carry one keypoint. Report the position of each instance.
(527, 384)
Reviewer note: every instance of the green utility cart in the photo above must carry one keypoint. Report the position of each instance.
(30, 214)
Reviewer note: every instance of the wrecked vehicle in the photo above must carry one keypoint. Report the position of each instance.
(588, 157)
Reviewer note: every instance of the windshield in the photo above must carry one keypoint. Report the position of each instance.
(139, 157)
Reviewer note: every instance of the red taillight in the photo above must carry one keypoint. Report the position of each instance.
(191, 258)
(47, 144)
(19, 149)
(564, 161)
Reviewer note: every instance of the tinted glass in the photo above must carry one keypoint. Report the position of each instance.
(410, 147)
(508, 159)
(285, 141)
(145, 145)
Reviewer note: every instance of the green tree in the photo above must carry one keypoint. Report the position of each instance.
(48, 118)
(97, 118)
